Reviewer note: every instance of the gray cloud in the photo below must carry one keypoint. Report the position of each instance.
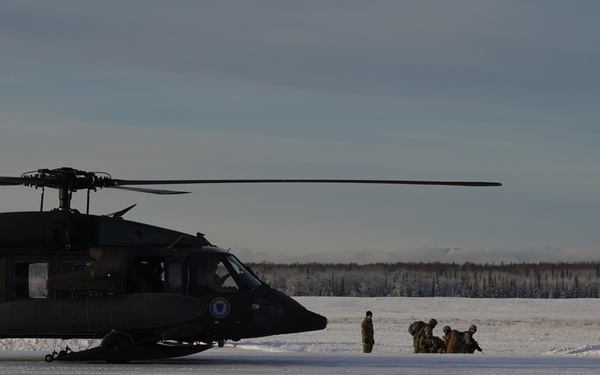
(501, 91)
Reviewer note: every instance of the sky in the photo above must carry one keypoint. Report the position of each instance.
(518, 336)
(427, 90)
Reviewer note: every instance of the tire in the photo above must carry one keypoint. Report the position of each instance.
(115, 341)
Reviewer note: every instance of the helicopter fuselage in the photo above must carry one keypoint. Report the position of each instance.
(64, 274)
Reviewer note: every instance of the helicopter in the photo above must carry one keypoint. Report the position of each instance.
(145, 292)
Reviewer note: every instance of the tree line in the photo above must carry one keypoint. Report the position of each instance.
(471, 280)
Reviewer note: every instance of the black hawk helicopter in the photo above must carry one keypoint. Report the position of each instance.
(146, 292)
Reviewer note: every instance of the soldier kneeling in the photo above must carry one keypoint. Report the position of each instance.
(462, 342)
(430, 343)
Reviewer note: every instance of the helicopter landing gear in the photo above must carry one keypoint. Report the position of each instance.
(119, 347)
(58, 355)
(115, 347)
(117, 341)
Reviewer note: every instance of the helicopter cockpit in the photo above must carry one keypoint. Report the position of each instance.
(224, 274)
(245, 274)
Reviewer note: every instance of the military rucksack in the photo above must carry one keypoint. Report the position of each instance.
(415, 327)
(455, 343)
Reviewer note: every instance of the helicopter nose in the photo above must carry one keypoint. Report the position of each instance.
(278, 313)
(312, 322)
(299, 319)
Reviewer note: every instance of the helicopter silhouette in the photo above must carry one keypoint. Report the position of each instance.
(144, 291)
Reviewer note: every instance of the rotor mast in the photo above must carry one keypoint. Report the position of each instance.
(66, 180)
(64, 197)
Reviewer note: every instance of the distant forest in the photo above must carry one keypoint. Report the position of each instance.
(524, 280)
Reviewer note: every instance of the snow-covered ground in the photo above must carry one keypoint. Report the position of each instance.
(518, 336)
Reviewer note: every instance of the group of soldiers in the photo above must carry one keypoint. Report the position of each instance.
(453, 341)
(424, 341)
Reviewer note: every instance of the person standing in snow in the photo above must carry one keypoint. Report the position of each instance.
(366, 328)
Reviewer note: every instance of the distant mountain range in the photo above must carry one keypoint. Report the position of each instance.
(429, 254)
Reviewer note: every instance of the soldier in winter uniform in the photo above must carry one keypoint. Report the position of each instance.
(417, 338)
(462, 342)
(469, 343)
(366, 328)
(446, 338)
(430, 343)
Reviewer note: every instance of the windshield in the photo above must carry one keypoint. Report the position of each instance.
(213, 276)
(244, 274)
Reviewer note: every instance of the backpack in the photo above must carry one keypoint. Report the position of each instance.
(455, 343)
(415, 327)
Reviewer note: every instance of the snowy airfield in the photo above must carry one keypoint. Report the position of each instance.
(518, 336)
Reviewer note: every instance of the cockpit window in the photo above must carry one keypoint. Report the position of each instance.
(213, 276)
(244, 274)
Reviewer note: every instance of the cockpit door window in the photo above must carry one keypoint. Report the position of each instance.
(213, 276)
(244, 274)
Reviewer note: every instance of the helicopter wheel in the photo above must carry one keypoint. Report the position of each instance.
(117, 340)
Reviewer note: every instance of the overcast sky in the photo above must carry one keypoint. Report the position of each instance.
(439, 90)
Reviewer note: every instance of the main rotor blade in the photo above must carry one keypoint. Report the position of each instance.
(310, 181)
(68, 178)
(152, 191)
(7, 181)
(31, 181)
